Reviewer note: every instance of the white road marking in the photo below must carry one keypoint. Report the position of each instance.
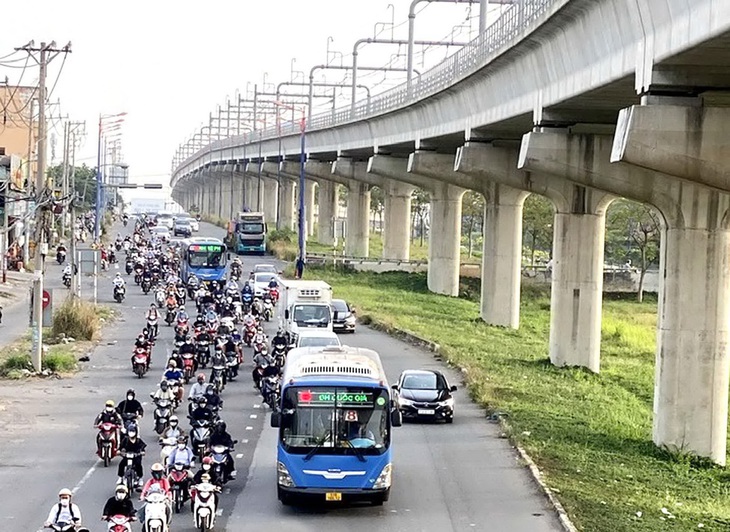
(244, 441)
(257, 406)
(239, 455)
(249, 428)
(219, 512)
(253, 416)
(86, 477)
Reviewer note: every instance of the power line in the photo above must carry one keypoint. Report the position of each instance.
(63, 62)
(12, 96)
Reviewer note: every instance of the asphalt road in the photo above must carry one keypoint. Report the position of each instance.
(447, 477)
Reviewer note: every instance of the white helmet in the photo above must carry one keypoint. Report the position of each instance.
(118, 276)
(65, 492)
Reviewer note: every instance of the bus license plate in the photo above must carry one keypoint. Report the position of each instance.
(426, 412)
(333, 496)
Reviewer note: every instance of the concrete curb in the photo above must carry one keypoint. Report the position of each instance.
(413, 339)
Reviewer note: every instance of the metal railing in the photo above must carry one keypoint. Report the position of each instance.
(466, 61)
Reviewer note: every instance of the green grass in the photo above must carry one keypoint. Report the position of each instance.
(77, 319)
(589, 434)
(59, 359)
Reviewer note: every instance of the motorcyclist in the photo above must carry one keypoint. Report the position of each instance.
(188, 346)
(130, 408)
(119, 504)
(279, 340)
(182, 454)
(118, 282)
(218, 359)
(64, 511)
(153, 316)
(220, 436)
(182, 314)
(247, 288)
(157, 482)
(173, 373)
(197, 390)
(202, 412)
(108, 415)
(132, 443)
(273, 283)
(214, 400)
(263, 366)
(173, 429)
(259, 337)
(205, 474)
(163, 392)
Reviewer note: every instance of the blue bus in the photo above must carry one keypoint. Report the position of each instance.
(205, 257)
(335, 420)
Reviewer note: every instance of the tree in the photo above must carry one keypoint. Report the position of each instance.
(377, 204)
(537, 225)
(85, 180)
(633, 233)
(472, 212)
(420, 207)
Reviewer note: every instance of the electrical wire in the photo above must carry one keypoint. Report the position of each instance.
(12, 96)
(48, 96)
(11, 54)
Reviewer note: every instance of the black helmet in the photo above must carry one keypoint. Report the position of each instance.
(164, 385)
(131, 392)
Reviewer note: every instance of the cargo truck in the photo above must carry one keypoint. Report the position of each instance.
(247, 233)
(306, 304)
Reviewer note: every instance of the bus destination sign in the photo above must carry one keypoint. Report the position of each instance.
(340, 398)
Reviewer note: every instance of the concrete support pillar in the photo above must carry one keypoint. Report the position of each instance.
(327, 199)
(397, 219)
(358, 213)
(502, 255)
(693, 366)
(309, 206)
(577, 285)
(444, 239)
(270, 199)
(286, 204)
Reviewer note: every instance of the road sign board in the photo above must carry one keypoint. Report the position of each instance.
(46, 298)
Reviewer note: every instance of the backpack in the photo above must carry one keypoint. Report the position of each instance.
(70, 509)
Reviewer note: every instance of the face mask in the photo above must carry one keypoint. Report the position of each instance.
(130, 397)
(181, 446)
(109, 409)
(65, 502)
(206, 467)
(120, 496)
(132, 435)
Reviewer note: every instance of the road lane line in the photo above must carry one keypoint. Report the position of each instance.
(239, 455)
(249, 428)
(253, 416)
(86, 476)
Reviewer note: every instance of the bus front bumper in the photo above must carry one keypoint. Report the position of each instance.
(290, 495)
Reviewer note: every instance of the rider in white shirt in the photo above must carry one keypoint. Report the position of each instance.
(118, 281)
(64, 511)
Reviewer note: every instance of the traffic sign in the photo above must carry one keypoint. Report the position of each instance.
(46, 298)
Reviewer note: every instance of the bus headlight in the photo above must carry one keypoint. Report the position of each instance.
(383, 480)
(283, 476)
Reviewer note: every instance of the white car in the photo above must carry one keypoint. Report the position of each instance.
(261, 282)
(161, 232)
(165, 220)
(317, 338)
(194, 224)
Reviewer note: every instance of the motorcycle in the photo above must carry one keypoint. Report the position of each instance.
(160, 297)
(130, 475)
(232, 365)
(268, 308)
(60, 256)
(247, 300)
(119, 523)
(128, 267)
(203, 349)
(179, 481)
(217, 377)
(146, 284)
(181, 295)
(155, 513)
(274, 293)
(67, 280)
(62, 526)
(138, 271)
(119, 293)
(248, 333)
(270, 391)
(162, 413)
(182, 327)
(140, 362)
(279, 354)
(204, 508)
(152, 327)
(106, 442)
(219, 455)
(188, 366)
(199, 436)
(168, 445)
(170, 316)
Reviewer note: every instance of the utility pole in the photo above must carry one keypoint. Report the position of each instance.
(72, 129)
(41, 195)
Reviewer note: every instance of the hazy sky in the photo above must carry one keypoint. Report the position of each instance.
(167, 64)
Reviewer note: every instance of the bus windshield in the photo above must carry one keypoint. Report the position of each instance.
(311, 315)
(251, 228)
(335, 420)
(206, 256)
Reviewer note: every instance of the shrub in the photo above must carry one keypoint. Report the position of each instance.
(15, 362)
(77, 319)
(60, 361)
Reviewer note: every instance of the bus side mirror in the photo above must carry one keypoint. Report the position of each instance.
(396, 418)
(276, 419)
(286, 314)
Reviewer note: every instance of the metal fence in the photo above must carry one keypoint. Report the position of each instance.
(513, 22)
